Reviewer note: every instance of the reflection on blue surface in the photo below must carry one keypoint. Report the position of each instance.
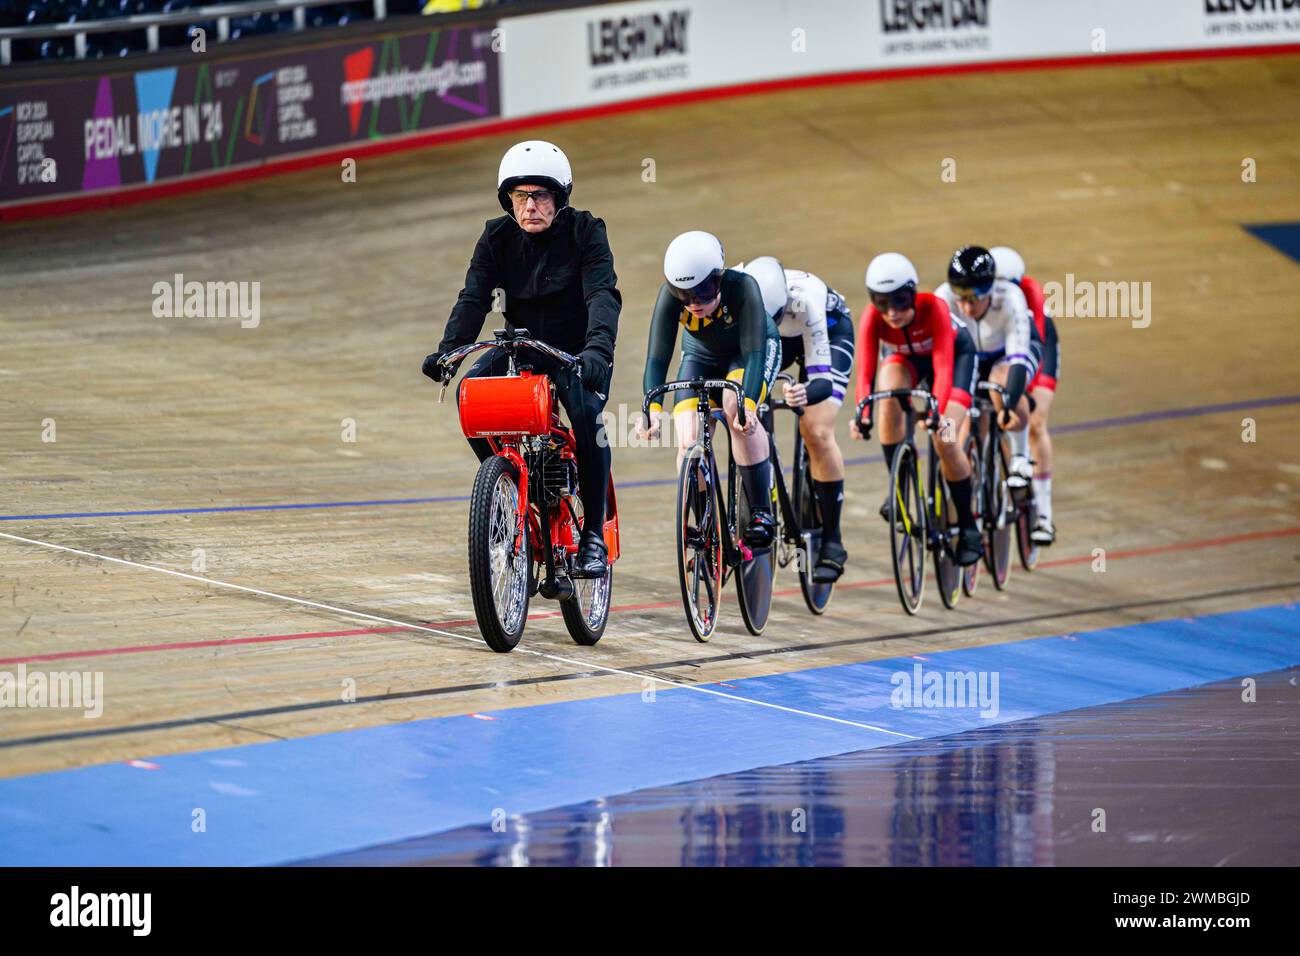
(1022, 794)
(335, 794)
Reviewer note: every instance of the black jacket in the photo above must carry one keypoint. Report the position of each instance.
(559, 284)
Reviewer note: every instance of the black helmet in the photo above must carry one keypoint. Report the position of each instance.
(973, 270)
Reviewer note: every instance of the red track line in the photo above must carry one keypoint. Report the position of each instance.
(331, 155)
(622, 608)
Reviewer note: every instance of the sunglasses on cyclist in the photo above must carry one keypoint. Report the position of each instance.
(700, 294)
(972, 293)
(520, 197)
(900, 300)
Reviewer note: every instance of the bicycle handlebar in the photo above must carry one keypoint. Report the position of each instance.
(900, 393)
(781, 405)
(697, 385)
(451, 361)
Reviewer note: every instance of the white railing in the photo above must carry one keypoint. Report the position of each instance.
(150, 22)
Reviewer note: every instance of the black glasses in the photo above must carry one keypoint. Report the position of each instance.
(900, 300)
(520, 197)
(701, 293)
(972, 293)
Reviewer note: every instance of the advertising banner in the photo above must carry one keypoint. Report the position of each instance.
(150, 126)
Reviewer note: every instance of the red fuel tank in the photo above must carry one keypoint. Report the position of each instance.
(505, 405)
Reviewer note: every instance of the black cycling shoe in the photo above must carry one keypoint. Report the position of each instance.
(593, 557)
(830, 563)
(970, 546)
(884, 508)
(761, 529)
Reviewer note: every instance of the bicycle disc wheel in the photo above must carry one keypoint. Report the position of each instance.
(499, 555)
(943, 518)
(816, 596)
(1000, 519)
(755, 577)
(907, 528)
(970, 575)
(587, 612)
(1026, 517)
(699, 546)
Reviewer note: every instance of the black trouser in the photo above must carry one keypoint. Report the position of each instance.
(583, 407)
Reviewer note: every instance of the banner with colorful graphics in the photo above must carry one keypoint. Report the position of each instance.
(84, 135)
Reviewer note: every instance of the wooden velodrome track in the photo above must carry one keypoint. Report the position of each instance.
(1128, 173)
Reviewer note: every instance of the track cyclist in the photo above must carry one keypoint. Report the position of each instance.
(816, 326)
(1042, 389)
(728, 334)
(921, 343)
(557, 271)
(996, 314)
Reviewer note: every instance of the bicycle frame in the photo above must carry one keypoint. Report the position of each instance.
(733, 548)
(552, 526)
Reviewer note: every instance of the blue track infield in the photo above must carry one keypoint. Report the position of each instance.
(312, 796)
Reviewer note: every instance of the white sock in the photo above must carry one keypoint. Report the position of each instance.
(1043, 496)
(1020, 442)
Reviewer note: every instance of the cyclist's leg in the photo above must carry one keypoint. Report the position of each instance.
(952, 434)
(817, 426)
(491, 362)
(896, 371)
(1020, 473)
(584, 407)
(752, 450)
(1044, 391)
(685, 408)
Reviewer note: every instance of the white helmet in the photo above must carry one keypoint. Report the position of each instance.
(693, 266)
(535, 161)
(769, 275)
(891, 271)
(1009, 263)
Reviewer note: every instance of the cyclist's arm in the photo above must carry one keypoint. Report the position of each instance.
(599, 287)
(753, 339)
(868, 355)
(663, 342)
(1019, 337)
(475, 299)
(816, 341)
(944, 347)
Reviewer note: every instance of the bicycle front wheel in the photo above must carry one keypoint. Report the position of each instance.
(907, 527)
(1000, 517)
(1026, 518)
(756, 577)
(699, 545)
(499, 555)
(970, 575)
(587, 612)
(943, 528)
(816, 596)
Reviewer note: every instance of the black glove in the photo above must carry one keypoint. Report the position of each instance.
(595, 371)
(433, 368)
(863, 425)
(818, 390)
(934, 422)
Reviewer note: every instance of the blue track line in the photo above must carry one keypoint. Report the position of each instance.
(1141, 419)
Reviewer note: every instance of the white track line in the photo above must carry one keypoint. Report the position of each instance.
(461, 637)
